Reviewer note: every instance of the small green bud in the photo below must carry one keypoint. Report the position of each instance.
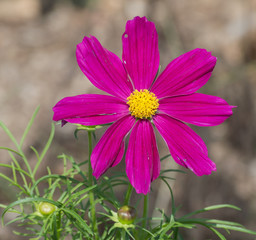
(126, 214)
(46, 208)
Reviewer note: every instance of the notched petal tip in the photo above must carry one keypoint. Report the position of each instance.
(140, 51)
(63, 123)
(186, 147)
(90, 109)
(205, 170)
(185, 74)
(197, 108)
(103, 68)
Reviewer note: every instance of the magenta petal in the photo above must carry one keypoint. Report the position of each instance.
(185, 74)
(90, 109)
(140, 52)
(96, 120)
(185, 146)
(197, 108)
(142, 159)
(110, 149)
(103, 68)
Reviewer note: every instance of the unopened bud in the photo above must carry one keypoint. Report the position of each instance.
(46, 208)
(126, 215)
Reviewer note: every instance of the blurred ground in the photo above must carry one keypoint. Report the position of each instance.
(38, 66)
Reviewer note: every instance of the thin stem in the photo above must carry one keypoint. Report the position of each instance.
(91, 194)
(145, 214)
(89, 162)
(176, 231)
(128, 195)
(58, 225)
(123, 235)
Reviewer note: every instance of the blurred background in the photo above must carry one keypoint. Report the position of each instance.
(38, 66)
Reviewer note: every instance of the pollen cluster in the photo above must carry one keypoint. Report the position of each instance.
(143, 104)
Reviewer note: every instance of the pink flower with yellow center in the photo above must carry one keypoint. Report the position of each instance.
(138, 102)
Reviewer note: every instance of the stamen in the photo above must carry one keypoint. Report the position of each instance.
(142, 104)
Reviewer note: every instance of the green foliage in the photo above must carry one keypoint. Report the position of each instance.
(71, 193)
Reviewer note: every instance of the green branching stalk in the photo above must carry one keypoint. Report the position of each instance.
(145, 214)
(123, 234)
(68, 215)
(20, 152)
(128, 195)
(47, 145)
(91, 194)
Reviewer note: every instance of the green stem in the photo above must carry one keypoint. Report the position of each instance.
(58, 225)
(176, 231)
(123, 235)
(91, 194)
(145, 214)
(128, 195)
(90, 176)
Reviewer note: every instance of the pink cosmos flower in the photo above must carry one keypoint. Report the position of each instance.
(138, 101)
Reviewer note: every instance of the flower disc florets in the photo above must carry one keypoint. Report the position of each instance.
(143, 104)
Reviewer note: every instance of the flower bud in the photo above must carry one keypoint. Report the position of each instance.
(46, 208)
(126, 214)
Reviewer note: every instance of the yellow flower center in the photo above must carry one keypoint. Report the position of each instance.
(143, 104)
